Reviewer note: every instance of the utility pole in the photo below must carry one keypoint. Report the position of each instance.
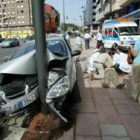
(40, 41)
(64, 16)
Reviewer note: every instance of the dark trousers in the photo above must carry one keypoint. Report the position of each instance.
(118, 70)
(87, 41)
(98, 43)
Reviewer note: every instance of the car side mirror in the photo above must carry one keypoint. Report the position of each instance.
(76, 52)
(6, 60)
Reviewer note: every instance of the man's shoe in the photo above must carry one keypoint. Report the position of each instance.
(91, 76)
(104, 85)
(120, 86)
(135, 100)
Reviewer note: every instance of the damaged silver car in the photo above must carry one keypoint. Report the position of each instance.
(19, 84)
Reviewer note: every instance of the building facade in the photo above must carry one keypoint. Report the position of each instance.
(113, 9)
(15, 18)
(90, 16)
(99, 10)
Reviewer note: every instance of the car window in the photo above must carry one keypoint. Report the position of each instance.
(57, 47)
(23, 50)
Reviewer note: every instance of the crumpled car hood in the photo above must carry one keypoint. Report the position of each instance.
(26, 64)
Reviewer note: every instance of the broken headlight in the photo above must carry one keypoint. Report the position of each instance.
(2, 102)
(60, 88)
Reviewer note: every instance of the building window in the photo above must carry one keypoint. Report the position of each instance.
(22, 11)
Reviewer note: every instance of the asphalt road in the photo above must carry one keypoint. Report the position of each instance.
(6, 53)
(10, 132)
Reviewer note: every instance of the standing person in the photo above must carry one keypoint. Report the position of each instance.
(78, 45)
(78, 42)
(99, 38)
(135, 94)
(87, 38)
(68, 37)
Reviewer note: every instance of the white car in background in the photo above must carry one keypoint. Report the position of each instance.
(10, 42)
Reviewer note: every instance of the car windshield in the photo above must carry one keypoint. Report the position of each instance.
(57, 47)
(23, 50)
(128, 30)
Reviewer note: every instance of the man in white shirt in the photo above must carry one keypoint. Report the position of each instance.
(78, 42)
(120, 62)
(68, 37)
(87, 38)
(99, 38)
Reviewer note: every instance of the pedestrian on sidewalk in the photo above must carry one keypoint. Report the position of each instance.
(78, 42)
(68, 37)
(87, 38)
(135, 93)
(111, 76)
(99, 38)
(78, 45)
(89, 68)
(120, 61)
(102, 62)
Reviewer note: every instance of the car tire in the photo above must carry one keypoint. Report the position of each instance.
(75, 94)
(73, 97)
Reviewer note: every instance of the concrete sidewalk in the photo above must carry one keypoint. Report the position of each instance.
(104, 114)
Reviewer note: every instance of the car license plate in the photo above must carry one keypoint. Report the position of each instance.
(26, 101)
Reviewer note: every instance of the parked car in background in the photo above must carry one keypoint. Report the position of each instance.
(2, 39)
(19, 84)
(10, 42)
(28, 38)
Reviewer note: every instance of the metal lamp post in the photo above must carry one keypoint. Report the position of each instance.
(81, 21)
(64, 16)
(83, 8)
(40, 41)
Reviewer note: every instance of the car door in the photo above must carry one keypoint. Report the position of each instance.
(71, 66)
(13, 42)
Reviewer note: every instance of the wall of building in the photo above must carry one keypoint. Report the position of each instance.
(90, 16)
(112, 9)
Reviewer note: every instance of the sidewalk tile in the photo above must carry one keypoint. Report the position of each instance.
(127, 110)
(68, 135)
(132, 125)
(122, 102)
(87, 138)
(85, 92)
(86, 106)
(116, 93)
(115, 130)
(87, 124)
(99, 90)
(83, 83)
(101, 99)
(115, 138)
(96, 84)
(137, 107)
(108, 114)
